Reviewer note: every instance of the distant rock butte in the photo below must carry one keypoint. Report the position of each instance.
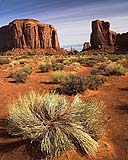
(86, 46)
(28, 33)
(102, 37)
(121, 41)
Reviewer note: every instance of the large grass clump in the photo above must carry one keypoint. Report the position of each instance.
(55, 125)
(115, 69)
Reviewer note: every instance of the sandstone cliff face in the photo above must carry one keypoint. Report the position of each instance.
(121, 41)
(28, 33)
(102, 37)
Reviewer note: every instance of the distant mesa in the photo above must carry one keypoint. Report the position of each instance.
(103, 38)
(28, 33)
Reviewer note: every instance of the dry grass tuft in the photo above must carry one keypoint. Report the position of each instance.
(57, 127)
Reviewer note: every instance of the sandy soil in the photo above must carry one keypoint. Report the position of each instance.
(114, 93)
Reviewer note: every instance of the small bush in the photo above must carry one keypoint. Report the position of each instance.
(55, 125)
(67, 62)
(124, 62)
(101, 67)
(31, 54)
(48, 54)
(87, 62)
(90, 63)
(59, 60)
(44, 67)
(94, 72)
(115, 69)
(99, 71)
(74, 84)
(58, 76)
(19, 76)
(57, 66)
(4, 61)
(95, 81)
(13, 63)
(27, 69)
(22, 61)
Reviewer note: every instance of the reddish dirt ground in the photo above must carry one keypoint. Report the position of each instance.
(114, 94)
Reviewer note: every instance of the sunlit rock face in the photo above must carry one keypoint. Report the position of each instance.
(28, 33)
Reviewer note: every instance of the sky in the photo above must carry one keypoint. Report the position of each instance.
(71, 18)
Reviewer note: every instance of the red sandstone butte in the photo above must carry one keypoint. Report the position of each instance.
(102, 37)
(28, 33)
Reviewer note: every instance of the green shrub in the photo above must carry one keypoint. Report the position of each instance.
(95, 81)
(4, 61)
(74, 84)
(99, 71)
(59, 60)
(15, 62)
(87, 62)
(76, 66)
(67, 62)
(124, 62)
(101, 67)
(90, 63)
(55, 125)
(44, 67)
(22, 61)
(31, 54)
(57, 66)
(48, 54)
(11, 64)
(27, 69)
(115, 69)
(19, 76)
(94, 72)
(10, 75)
(58, 76)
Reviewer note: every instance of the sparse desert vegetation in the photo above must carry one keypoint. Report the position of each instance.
(54, 119)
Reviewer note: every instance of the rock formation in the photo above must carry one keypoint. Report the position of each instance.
(121, 42)
(28, 33)
(102, 37)
(86, 46)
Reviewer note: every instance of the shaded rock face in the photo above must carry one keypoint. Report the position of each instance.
(121, 41)
(86, 46)
(102, 37)
(28, 33)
